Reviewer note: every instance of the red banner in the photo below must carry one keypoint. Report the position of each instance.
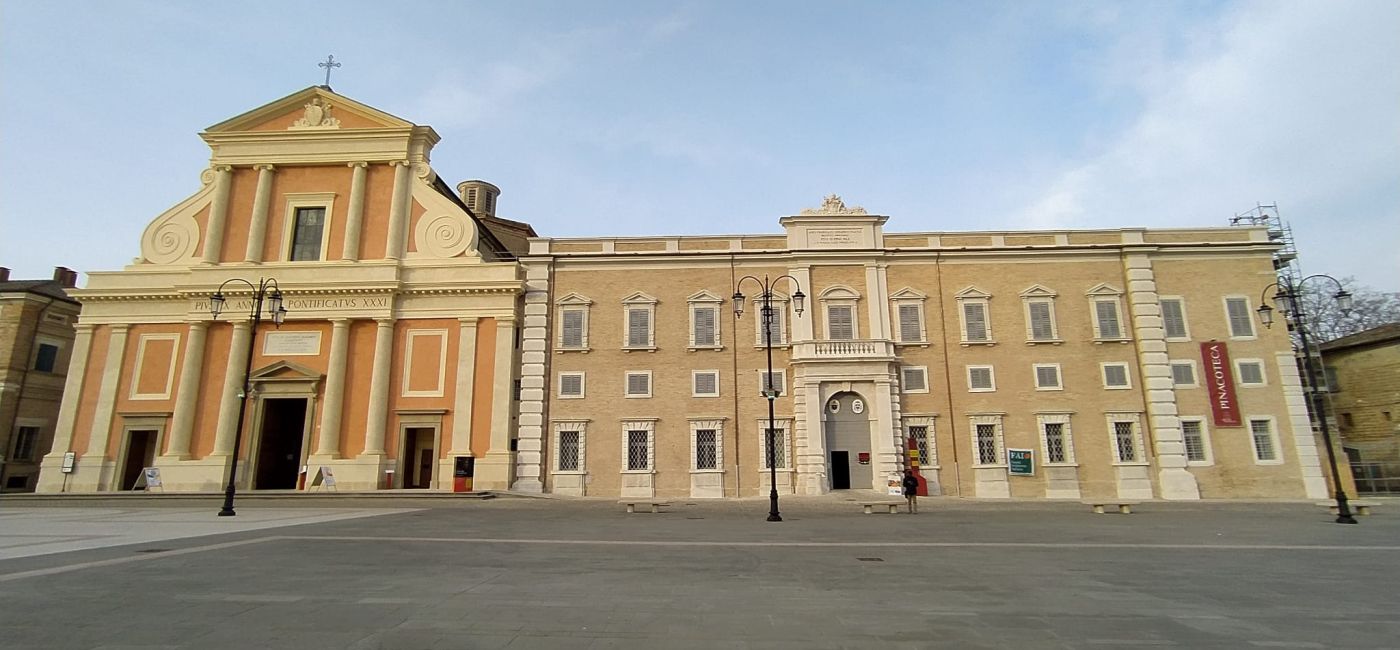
(1220, 381)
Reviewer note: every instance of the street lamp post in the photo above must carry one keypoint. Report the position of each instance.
(1290, 301)
(767, 315)
(265, 288)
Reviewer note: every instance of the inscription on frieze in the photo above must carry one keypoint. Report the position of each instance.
(833, 237)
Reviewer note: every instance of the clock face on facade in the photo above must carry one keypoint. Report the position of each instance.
(858, 406)
(834, 406)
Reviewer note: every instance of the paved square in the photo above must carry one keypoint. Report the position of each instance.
(550, 574)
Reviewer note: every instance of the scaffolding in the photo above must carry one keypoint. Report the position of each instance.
(1285, 258)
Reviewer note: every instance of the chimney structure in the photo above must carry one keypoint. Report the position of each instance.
(65, 277)
(479, 196)
(4, 274)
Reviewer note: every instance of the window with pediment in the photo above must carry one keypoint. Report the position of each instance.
(780, 319)
(704, 321)
(1039, 306)
(639, 318)
(839, 307)
(975, 316)
(572, 317)
(1107, 315)
(907, 307)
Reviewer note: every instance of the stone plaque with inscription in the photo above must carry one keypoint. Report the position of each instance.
(833, 237)
(290, 344)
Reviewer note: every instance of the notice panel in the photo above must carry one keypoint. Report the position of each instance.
(1221, 382)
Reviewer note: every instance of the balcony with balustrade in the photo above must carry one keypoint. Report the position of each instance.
(846, 350)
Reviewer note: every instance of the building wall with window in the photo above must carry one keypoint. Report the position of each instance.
(399, 350)
(36, 341)
(1362, 395)
(1055, 342)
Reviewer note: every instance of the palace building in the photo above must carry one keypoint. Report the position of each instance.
(423, 334)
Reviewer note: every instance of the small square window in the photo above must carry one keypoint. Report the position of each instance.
(705, 383)
(1183, 373)
(639, 383)
(570, 385)
(1250, 372)
(776, 381)
(1115, 376)
(1047, 376)
(980, 379)
(914, 379)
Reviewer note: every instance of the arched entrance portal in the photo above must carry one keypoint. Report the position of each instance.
(846, 424)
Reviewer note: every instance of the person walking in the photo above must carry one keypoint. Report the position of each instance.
(911, 490)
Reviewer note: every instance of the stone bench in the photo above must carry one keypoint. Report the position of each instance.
(655, 505)
(1358, 506)
(1124, 507)
(869, 506)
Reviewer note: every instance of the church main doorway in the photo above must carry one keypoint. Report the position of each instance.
(279, 444)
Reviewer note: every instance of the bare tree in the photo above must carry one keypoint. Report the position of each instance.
(1370, 309)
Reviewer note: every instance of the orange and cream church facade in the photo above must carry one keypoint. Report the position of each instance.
(398, 355)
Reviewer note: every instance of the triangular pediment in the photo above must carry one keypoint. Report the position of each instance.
(972, 292)
(573, 299)
(1038, 291)
(314, 108)
(908, 293)
(284, 371)
(1104, 289)
(703, 296)
(639, 298)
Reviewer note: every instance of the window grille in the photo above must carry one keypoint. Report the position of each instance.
(979, 378)
(910, 329)
(1106, 312)
(1042, 324)
(706, 449)
(1183, 374)
(975, 321)
(571, 385)
(638, 384)
(1194, 439)
(1124, 439)
(774, 449)
(638, 327)
(637, 452)
(1055, 442)
(306, 235)
(921, 442)
(1263, 434)
(987, 444)
(1174, 318)
(1115, 375)
(569, 451)
(573, 329)
(915, 379)
(1047, 376)
(840, 322)
(1251, 372)
(705, 333)
(1241, 321)
(706, 383)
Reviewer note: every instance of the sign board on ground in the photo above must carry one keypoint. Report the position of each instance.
(149, 478)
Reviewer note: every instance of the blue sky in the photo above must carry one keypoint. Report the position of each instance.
(633, 118)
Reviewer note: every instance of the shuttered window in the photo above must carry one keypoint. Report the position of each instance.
(775, 381)
(571, 384)
(1183, 374)
(1047, 376)
(915, 379)
(979, 378)
(1115, 375)
(1251, 373)
(1263, 433)
(840, 322)
(573, 329)
(1042, 324)
(638, 327)
(1195, 440)
(975, 322)
(1106, 315)
(1241, 321)
(704, 332)
(706, 384)
(1174, 318)
(910, 329)
(639, 384)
